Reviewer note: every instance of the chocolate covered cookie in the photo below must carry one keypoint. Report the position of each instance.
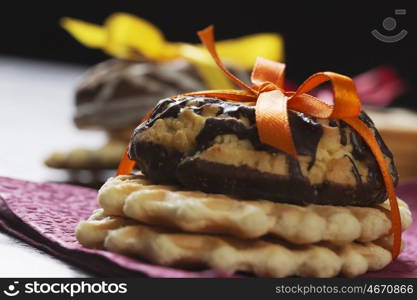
(117, 94)
(213, 145)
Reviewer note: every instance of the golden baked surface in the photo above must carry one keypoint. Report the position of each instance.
(135, 197)
(263, 257)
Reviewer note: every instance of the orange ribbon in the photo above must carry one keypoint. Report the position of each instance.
(273, 102)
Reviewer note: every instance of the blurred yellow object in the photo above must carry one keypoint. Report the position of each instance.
(126, 36)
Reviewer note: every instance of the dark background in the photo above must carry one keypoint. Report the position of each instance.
(318, 35)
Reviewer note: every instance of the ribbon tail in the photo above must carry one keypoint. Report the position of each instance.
(267, 45)
(126, 165)
(207, 38)
(273, 123)
(228, 95)
(213, 77)
(268, 71)
(370, 139)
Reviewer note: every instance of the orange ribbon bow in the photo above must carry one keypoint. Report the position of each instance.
(273, 102)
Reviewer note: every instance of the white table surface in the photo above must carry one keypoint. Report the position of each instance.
(36, 107)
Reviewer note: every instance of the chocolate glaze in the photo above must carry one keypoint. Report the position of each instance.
(170, 166)
(218, 126)
(301, 124)
(362, 152)
(249, 183)
(241, 181)
(157, 163)
(95, 80)
(355, 171)
(333, 123)
(342, 132)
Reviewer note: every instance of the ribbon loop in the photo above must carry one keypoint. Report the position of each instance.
(268, 71)
(346, 102)
(310, 105)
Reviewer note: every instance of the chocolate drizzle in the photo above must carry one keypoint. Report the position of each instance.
(171, 166)
(306, 132)
(301, 125)
(342, 132)
(355, 171)
(116, 94)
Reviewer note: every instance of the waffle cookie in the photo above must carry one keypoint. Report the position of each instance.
(135, 197)
(262, 257)
(104, 157)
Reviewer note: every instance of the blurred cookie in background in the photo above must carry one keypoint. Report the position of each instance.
(115, 95)
(398, 127)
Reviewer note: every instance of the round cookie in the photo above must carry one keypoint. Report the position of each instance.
(212, 145)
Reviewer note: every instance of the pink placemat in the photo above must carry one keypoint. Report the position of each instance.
(45, 215)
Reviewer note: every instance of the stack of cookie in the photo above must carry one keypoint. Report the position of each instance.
(211, 195)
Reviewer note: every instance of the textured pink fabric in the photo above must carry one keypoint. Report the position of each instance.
(45, 215)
